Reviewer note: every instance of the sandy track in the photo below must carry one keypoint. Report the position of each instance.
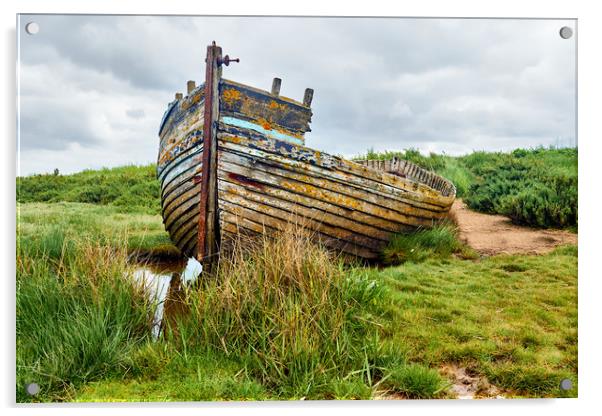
(495, 234)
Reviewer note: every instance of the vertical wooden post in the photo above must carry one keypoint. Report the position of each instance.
(190, 86)
(309, 95)
(276, 83)
(208, 227)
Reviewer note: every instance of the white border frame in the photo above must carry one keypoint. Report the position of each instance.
(590, 33)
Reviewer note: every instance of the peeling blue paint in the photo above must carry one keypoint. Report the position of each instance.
(233, 121)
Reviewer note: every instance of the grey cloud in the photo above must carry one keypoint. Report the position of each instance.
(54, 127)
(135, 113)
(449, 85)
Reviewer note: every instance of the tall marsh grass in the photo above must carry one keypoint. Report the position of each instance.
(288, 307)
(79, 316)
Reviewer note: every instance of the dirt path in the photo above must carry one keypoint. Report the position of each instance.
(495, 234)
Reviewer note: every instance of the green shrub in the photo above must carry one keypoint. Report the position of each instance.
(551, 202)
(536, 187)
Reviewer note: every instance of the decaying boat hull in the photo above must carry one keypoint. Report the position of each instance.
(264, 175)
(179, 168)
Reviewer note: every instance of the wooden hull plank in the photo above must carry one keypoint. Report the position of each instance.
(243, 217)
(259, 107)
(356, 200)
(387, 185)
(264, 209)
(302, 208)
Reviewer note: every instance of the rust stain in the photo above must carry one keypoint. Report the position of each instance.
(264, 123)
(245, 180)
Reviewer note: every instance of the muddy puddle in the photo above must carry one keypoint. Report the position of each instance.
(165, 283)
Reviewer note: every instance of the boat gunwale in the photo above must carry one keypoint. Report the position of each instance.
(445, 181)
(267, 93)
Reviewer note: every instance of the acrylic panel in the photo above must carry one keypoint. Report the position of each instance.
(295, 208)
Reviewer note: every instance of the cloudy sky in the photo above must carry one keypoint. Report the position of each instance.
(93, 89)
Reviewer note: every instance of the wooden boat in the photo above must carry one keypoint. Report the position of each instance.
(232, 158)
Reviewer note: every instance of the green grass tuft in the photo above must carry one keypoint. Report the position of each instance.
(438, 242)
(288, 309)
(416, 382)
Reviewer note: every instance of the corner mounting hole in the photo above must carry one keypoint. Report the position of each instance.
(566, 32)
(32, 28)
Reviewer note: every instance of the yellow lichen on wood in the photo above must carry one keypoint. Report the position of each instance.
(231, 96)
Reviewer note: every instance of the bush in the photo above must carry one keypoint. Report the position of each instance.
(551, 202)
(535, 187)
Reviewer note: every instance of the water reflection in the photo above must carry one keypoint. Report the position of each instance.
(165, 284)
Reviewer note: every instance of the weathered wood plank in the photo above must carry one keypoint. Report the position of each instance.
(305, 207)
(263, 108)
(190, 175)
(308, 97)
(364, 194)
(180, 198)
(408, 170)
(243, 217)
(190, 86)
(276, 83)
(318, 193)
(336, 168)
(195, 148)
(208, 227)
(315, 222)
(173, 214)
(185, 111)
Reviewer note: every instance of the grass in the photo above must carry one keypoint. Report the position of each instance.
(51, 228)
(78, 318)
(285, 307)
(512, 319)
(439, 242)
(132, 189)
(286, 319)
(162, 373)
